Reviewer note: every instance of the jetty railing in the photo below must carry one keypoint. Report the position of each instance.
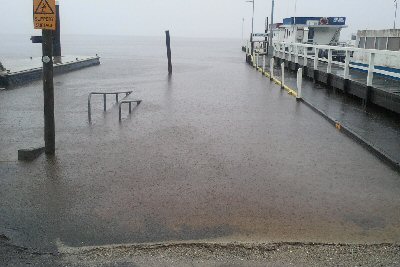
(138, 102)
(328, 54)
(126, 93)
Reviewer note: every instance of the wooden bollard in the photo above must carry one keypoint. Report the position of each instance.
(168, 41)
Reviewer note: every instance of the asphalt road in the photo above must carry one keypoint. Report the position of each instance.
(214, 153)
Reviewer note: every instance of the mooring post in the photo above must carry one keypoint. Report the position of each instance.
(316, 59)
(271, 69)
(247, 53)
(305, 52)
(48, 92)
(257, 57)
(283, 51)
(370, 78)
(168, 41)
(371, 67)
(347, 65)
(283, 75)
(90, 108)
(347, 72)
(263, 65)
(273, 50)
(105, 102)
(329, 69)
(296, 55)
(299, 83)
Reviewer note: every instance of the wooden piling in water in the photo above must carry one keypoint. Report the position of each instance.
(168, 41)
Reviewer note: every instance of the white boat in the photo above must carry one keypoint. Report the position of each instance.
(309, 30)
(382, 40)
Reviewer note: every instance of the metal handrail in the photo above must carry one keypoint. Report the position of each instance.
(130, 106)
(301, 50)
(127, 93)
(341, 48)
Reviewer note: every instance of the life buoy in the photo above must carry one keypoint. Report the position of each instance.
(324, 21)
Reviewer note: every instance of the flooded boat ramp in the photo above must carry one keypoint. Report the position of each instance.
(216, 152)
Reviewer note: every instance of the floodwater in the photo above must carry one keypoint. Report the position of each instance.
(215, 152)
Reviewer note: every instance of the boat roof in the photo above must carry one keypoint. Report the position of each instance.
(315, 21)
(379, 33)
(276, 25)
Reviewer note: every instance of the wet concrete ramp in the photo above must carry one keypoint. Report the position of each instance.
(216, 152)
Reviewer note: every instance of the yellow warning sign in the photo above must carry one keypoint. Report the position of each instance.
(44, 14)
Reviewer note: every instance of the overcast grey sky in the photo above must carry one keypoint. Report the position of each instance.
(191, 18)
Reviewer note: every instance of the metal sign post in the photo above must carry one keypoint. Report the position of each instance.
(44, 17)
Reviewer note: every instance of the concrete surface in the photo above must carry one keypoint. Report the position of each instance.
(22, 71)
(24, 64)
(376, 126)
(214, 153)
(380, 82)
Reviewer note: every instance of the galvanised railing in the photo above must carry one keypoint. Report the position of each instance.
(294, 51)
(104, 94)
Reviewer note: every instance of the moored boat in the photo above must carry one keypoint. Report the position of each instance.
(380, 40)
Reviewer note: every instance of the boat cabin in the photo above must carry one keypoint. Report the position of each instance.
(310, 30)
(379, 39)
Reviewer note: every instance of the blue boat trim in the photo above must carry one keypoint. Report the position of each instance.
(337, 21)
(388, 69)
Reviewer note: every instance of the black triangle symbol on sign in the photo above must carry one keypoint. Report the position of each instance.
(44, 8)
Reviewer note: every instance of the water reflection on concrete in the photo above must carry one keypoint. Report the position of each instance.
(216, 152)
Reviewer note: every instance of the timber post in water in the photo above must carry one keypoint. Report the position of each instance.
(48, 92)
(168, 41)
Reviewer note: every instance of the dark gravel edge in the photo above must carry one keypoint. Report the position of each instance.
(209, 254)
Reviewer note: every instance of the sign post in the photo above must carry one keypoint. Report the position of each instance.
(44, 17)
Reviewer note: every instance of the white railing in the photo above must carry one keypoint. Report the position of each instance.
(294, 51)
